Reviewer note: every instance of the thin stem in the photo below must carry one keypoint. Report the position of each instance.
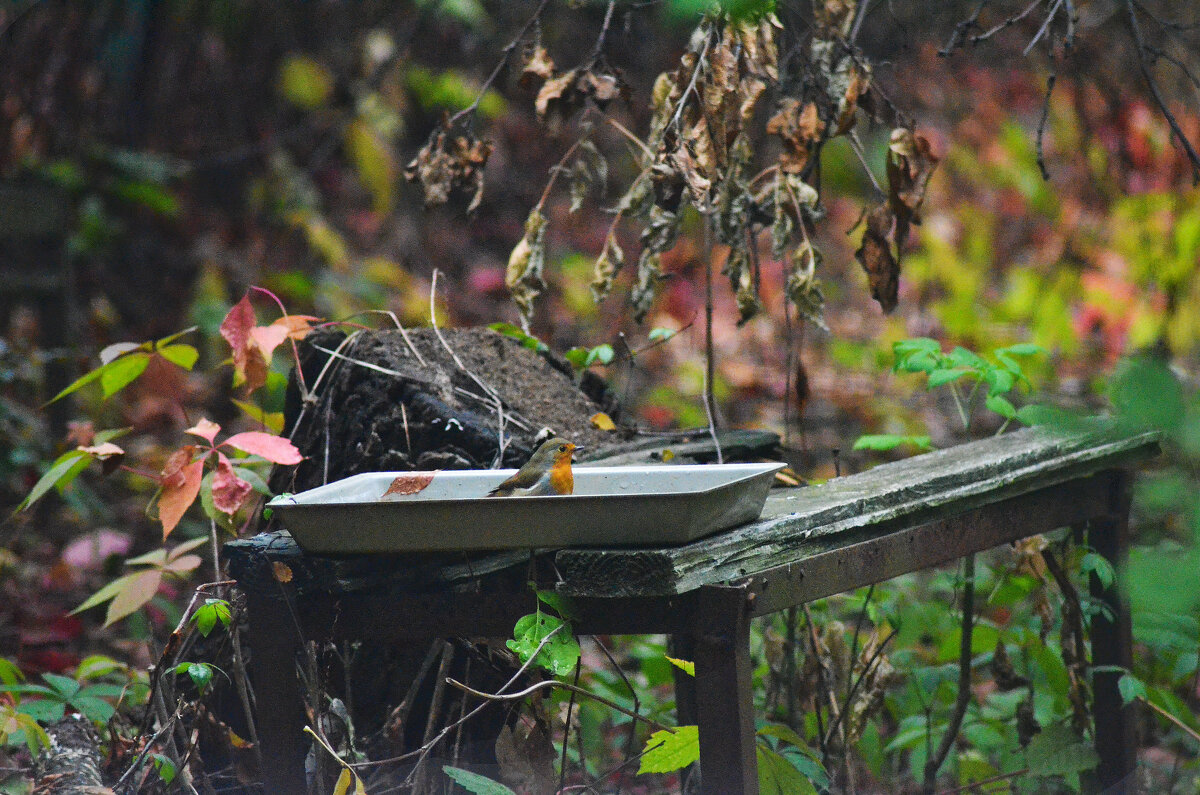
(709, 365)
(554, 683)
(964, 678)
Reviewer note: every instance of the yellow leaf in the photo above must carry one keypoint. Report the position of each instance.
(374, 162)
(304, 82)
(603, 421)
(345, 779)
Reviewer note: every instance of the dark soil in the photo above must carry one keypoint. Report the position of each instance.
(434, 415)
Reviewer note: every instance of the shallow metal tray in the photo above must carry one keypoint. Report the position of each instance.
(611, 506)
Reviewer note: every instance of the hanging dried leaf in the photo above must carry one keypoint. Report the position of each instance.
(800, 128)
(857, 82)
(832, 18)
(910, 164)
(590, 169)
(802, 286)
(539, 66)
(662, 230)
(611, 260)
(560, 97)
(741, 279)
(526, 263)
(645, 289)
(875, 255)
(446, 163)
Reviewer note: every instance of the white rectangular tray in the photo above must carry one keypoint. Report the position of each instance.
(642, 506)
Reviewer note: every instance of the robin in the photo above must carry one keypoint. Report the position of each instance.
(548, 471)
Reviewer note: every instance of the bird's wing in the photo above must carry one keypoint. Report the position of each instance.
(505, 489)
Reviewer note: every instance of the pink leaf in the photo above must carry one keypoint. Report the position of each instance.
(229, 491)
(267, 338)
(206, 429)
(180, 485)
(90, 551)
(273, 448)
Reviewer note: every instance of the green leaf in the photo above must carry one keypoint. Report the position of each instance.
(10, 674)
(601, 353)
(942, 377)
(272, 421)
(1131, 688)
(1000, 381)
(887, 441)
(1002, 406)
(669, 750)
(77, 384)
(94, 709)
(778, 776)
(686, 666)
(201, 674)
(209, 613)
(961, 357)
(45, 711)
(916, 345)
(104, 594)
(561, 652)
(254, 479)
(475, 783)
(786, 734)
(65, 686)
(1100, 566)
(528, 340)
(577, 357)
(60, 473)
(660, 333)
(165, 767)
(98, 665)
(1023, 349)
(1058, 751)
(181, 354)
(121, 372)
(563, 605)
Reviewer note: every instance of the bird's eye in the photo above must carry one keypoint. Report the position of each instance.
(562, 448)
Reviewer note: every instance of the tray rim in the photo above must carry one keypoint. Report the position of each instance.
(752, 470)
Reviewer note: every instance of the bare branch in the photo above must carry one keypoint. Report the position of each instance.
(964, 678)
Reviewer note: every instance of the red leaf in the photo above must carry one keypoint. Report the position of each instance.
(180, 485)
(229, 491)
(235, 328)
(273, 448)
(206, 429)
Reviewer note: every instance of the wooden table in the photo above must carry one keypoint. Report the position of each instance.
(809, 543)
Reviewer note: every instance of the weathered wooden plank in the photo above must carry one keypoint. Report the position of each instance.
(903, 494)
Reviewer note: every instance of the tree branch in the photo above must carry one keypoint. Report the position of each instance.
(964, 678)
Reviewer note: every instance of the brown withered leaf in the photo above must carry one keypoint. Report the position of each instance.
(910, 164)
(446, 163)
(858, 82)
(833, 17)
(526, 264)
(645, 289)
(562, 96)
(539, 66)
(281, 571)
(800, 128)
(411, 483)
(611, 260)
(875, 255)
(741, 279)
(802, 286)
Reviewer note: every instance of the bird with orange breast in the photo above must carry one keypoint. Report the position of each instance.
(548, 471)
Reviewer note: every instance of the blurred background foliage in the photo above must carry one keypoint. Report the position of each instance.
(192, 148)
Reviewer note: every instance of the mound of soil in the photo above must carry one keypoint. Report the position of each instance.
(386, 403)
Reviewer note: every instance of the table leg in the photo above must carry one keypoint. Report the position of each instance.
(724, 699)
(1112, 642)
(274, 643)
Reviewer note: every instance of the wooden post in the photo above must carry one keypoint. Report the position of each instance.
(1112, 644)
(275, 642)
(724, 699)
